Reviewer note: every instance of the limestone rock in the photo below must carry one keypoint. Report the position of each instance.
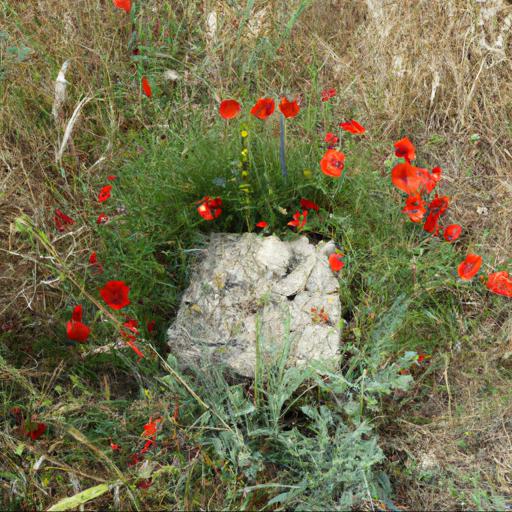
(249, 288)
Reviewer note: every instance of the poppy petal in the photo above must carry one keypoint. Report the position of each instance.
(437, 208)
(500, 283)
(469, 267)
(145, 484)
(104, 193)
(299, 219)
(34, 430)
(404, 148)
(353, 126)
(126, 5)
(63, 217)
(289, 108)
(405, 178)
(452, 232)
(332, 163)
(327, 94)
(146, 88)
(306, 204)
(330, 138)
(263, 108)
(115, 294)
(415, 208)
(228, 109)
(209, 209)
(335, 262)
(102, 218)
(77, 313)
(77, 331)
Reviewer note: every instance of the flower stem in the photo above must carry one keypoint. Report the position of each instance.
(282, 158)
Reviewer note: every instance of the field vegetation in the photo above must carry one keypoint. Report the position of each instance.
(418, 415)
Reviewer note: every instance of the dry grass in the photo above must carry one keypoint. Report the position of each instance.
(407, 67)
(437, 70)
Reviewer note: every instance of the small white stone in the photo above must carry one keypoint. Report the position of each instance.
(170, 74)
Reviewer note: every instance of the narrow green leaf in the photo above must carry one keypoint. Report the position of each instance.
(80, 498)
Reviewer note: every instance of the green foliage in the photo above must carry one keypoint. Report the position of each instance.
(321, 456)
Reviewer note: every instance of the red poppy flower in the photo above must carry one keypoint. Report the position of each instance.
(404, 148)
(104, 193)
(452, 232)
(428, 180)
(437, 207)
(102, 218)
(436, 173)
(330, 138)
(415, 208)
(210, 209)
(500, 283)
(126, 5)
(263, 108)
(58, 224)
(111, 177)
(145, 484)
(77, 313)
(135, 458)
(289, 108)
(130, 325)
(147, 446)
(422, 357)
(469, 267)
(61, 219)
(115, 294)
(76, 330)
(262, 224)
(299, 219)
(405, 178)
(34, 430)
(151, 326)
(115, 447)
(335, 261)
(412, 180)
(228, 109)
(333, 163)
(150, 427)
(93, 260)
(327, 94)
(306, 204)
(146, 88)
(353, 126)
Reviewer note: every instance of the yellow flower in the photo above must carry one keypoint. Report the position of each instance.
(308, 173)
(244, 133)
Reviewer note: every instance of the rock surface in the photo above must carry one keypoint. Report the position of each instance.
(248, 288)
